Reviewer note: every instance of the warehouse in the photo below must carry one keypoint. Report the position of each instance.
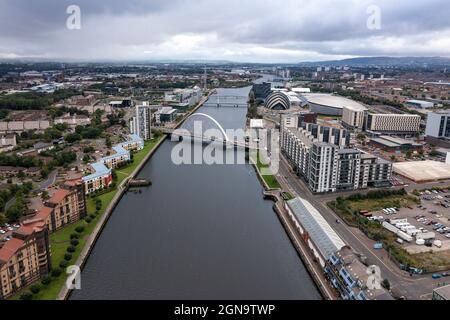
(420, 104)
(395, 144)
(321, 238)
(423, 171)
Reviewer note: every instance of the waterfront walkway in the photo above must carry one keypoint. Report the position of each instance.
(92, 238)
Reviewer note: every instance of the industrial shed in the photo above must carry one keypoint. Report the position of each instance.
(423, 171)
(321, 238)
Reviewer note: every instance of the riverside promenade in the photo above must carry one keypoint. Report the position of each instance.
(92, 238)
(121, 189)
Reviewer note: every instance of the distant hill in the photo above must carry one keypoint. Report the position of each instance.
(384, 61)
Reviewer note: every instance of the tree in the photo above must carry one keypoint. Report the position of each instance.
(35, 288)
(45, 195)
(26, 296)
(3, 219)
(108, 142)
(361, 137)
(386, 284)
(73, 137)
(21, 175)
(17, 210)
(408, 154)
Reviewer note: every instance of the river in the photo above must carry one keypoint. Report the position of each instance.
(199, 232)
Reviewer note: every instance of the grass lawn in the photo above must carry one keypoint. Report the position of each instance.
(433, 261)
(60, 240)
(327, 117)
(387, 202)
(271, 181)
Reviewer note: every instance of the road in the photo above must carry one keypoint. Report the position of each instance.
(416, 287)
(47, 183)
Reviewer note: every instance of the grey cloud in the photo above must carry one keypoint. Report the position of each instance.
(268, 30)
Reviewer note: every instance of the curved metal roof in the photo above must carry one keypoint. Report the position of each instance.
(322, 235)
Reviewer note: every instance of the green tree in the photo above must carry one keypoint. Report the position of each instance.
(108, 142)
(3, 219)
(45, 195)
(361, 137)
(17, 210)
(72, 137)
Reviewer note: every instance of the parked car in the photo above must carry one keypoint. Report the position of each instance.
(436, 276)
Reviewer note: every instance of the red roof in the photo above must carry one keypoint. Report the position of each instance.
(59, 196)
(43, 213)
(36, 223)
(73, 182)
(10, 248)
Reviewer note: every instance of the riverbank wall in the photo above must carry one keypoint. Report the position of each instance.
(122, 188)
(296, 239)
(92, 239)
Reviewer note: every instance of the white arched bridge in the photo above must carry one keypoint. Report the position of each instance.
(203, 127)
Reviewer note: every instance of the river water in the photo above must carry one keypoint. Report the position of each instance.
(199, 232)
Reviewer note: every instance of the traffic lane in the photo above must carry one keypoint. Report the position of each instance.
(413, 288)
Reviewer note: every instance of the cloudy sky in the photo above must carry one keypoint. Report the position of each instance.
(235, 30)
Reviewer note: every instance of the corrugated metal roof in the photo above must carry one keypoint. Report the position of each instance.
(320, 232)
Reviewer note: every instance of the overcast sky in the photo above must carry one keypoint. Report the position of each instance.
(236, 30)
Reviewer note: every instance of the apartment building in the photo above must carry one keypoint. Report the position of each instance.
(348, 275)
(295, 120)
(24, 259)
(21, 126)
(134, 143)
(393, 123)
(326, 162)
(100, 178)
(140, 124)
(65, 206)
(119, 157)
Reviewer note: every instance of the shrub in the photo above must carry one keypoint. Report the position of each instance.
(386, 284)
(26, 296)
(68, 256)
(98, 206)
(56, 272)
(71, 249)
(79, 229)
(92, 216)
(63, 264)
(46, 280)
(74, 242)
(74, 236)
(35, 288)
(88, 219)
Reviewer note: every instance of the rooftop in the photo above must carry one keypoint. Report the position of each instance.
(444, 292)
(334, 101)
(10, 248)
(59, 196)
(423, 171)
(323, 236)
(99, 170)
